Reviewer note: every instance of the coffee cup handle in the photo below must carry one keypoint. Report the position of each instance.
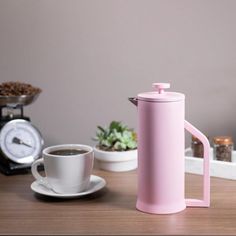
(34, 169)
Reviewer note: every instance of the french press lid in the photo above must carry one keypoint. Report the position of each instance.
(160, 95)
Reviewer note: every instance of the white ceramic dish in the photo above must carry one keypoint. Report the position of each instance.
(96, 183)
(116, 161)
(222, 169)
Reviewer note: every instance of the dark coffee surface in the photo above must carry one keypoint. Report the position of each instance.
(68, 152)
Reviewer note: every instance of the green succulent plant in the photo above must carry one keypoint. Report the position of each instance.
(117, 137)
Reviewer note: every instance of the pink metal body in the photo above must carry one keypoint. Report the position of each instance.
(161, 164)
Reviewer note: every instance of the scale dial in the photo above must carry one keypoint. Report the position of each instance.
(20, 141)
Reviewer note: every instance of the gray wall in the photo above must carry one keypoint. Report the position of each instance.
(90, 56)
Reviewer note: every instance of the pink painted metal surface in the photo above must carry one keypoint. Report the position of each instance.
(205, 202)
(161, 163)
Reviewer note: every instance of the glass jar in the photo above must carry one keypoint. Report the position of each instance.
(197, 147)
(223, 147)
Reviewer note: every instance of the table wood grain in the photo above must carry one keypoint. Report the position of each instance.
(111, 211)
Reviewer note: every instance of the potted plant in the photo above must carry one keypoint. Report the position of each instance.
(117, 147)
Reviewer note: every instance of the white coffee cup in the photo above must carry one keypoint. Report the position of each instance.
(65, 174)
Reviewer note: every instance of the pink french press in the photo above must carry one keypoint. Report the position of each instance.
(161, 144)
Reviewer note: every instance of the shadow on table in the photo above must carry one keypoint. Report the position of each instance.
(93, 196)
(104, 196)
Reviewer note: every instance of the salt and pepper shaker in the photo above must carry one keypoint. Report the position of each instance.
(197, 147)
(223, 147)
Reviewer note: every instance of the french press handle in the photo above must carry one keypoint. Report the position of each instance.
(205, 202)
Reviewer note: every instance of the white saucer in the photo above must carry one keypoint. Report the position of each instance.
(96, 183)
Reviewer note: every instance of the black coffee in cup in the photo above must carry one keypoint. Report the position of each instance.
(68, 152)
(68, 168)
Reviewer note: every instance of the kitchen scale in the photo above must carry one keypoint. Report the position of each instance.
(20, 142)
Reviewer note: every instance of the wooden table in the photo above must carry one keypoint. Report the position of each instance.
(112, 210)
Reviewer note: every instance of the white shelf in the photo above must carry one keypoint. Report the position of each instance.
(222, 169)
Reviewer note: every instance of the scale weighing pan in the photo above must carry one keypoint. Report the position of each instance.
(14, 101)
